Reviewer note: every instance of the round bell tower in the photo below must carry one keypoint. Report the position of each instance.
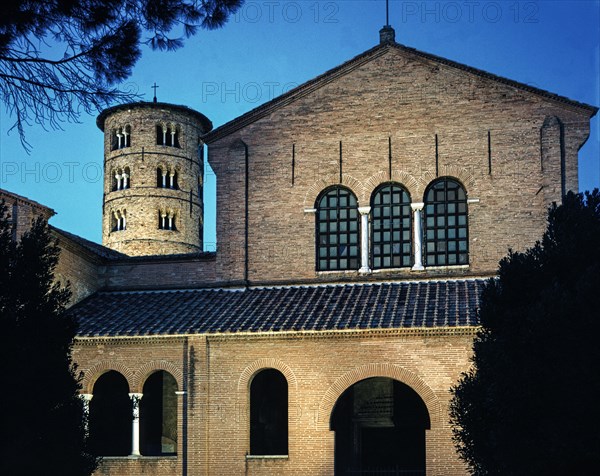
(153, 178)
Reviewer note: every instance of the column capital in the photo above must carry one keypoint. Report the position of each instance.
(417, 206)
(364, 210)
(86, 397)
(135, 399)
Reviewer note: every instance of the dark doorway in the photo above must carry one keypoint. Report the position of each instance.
(269, 413)
(158, 415)
(110, 416)
(379, 426)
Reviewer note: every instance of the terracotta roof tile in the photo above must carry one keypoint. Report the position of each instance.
(414, 304)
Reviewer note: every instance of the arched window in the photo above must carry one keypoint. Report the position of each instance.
(269, 413)
(158, 415)
(110, 416)
(121, 179)
(166, 220)
(121, 138)
(166, 177)
(160, 136)
(167, 134)
(118, 220)
(391, 227)
(338, 225)
(446, 234)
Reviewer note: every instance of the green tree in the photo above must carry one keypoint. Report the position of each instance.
(42, 430)
(529, 404)
(61, 57)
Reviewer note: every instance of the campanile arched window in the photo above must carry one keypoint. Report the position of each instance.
(338, 225)
(391, 227)
(446, 230)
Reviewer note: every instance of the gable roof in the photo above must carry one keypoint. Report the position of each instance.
(409, 304)
(94, 248)
(370, 55)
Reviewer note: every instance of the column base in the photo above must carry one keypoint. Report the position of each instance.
(418, 268)
(364, 270)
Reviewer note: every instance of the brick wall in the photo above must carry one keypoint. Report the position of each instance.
(406, 99)
(217, 371)
(167, 272)
(22, 212)
(79, 268)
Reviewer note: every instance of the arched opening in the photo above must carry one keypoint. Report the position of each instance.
(337, 230)
(391, 227)
(110, 416)
(158, 415)
(446, 227)
(269, 413)
(379, 426)
(161, 135)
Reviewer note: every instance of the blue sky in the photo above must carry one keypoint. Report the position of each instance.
(271, 46)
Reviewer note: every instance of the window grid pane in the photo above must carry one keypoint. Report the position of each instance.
(391, 243)
(338, 231)
(446, 224)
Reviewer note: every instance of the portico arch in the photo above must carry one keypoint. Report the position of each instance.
(394, 372)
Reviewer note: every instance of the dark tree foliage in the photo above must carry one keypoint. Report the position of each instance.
(42, 428)
(529, 405)
(61, 57)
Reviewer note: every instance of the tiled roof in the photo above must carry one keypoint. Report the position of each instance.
(410, 304)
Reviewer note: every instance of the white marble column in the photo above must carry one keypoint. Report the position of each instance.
(417, 208)
(364, 239)
(86, 398)
(135, 430)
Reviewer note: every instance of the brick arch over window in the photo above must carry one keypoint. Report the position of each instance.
(243, 387)
(316, 189)
(254, 367)
(149, 368)
(394, 372)
(410, 183)
(90, 376)
(464, 176)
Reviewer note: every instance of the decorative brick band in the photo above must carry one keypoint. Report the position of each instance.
(378, 370)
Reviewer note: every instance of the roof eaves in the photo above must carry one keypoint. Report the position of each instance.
(294, 94)
(20, 198)
(501, 79)
(99, 251)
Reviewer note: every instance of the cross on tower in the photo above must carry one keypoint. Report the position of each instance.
(155, 87)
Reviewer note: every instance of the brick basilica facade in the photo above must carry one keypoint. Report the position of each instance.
(358, 216)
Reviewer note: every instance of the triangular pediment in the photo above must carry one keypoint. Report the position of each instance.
(372, 55)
